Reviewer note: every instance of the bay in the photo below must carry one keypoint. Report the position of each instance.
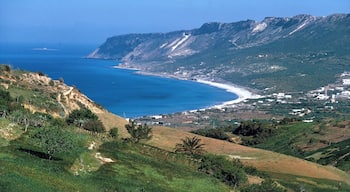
(120, 91)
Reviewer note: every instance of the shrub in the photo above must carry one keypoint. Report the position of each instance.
(5, 98)
(94, 125)
(79, 116)
(230, 172)
(51, 83)
(255, 132)
(85, 119)
(5, 68)
(213, 133)
(267, 185)
(113, 132)
(41, 73)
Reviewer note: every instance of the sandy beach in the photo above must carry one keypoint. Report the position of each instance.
(242, 93)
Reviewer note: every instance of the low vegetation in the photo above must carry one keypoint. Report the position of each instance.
(213, 133)
(337, 154)
(42, 152)
(230, 172)
(315, 142)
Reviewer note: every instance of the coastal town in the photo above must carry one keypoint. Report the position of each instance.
(299, 105)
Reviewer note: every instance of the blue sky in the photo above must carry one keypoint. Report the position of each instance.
(92, 21)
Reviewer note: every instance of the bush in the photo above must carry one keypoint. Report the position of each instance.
(94, 125)
(213, 133)
(5, 99)
(267, 185)
(85, 119)
(5, 68)
(80, 116)
(113, 132)
(230, 172)
(51, 83)
(255, 132)
(40, 73)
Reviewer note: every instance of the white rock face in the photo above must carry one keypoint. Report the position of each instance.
(300, 27)
(178, 42)
(259, 27)
(179, 47)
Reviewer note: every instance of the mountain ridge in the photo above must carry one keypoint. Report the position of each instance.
(238, 52)
(135, 39)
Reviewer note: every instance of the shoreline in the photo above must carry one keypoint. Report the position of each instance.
(241, 92)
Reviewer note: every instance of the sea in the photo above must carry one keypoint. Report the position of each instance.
(121, 91)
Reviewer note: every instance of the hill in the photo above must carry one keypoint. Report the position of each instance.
(277, 53)
(104, 160)
(166, 138)
(44, 147)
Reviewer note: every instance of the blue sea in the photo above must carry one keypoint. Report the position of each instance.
(121, 91)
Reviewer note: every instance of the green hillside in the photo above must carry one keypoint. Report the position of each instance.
(75, 152)
(49, 144)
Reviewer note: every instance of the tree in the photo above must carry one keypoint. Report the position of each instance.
(53, 140)
(138, 132)
(190, 146)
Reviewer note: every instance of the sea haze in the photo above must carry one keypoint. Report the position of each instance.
(122, 92)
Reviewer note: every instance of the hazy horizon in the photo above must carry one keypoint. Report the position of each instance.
(92, 21)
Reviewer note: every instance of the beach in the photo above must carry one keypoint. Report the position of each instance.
(242, 93)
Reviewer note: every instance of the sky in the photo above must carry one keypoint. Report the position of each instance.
(92, 21)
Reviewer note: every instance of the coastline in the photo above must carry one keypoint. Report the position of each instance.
(241, 92)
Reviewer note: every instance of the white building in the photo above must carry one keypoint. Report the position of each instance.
(346, 81)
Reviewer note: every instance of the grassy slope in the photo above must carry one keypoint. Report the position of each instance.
(111, 120)
(135, 168)
(166, 138)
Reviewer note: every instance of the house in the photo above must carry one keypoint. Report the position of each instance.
(346, 81)
(308, 121)
(156, 116)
